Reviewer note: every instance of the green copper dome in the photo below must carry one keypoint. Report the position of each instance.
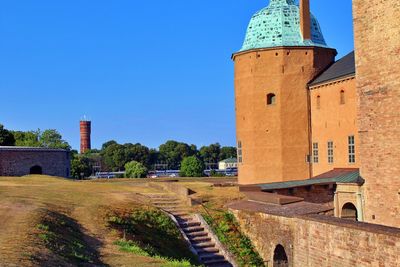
(278, 24)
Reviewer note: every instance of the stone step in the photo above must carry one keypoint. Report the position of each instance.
(180, 214)
(184, 219)
(211, 257)
(203, 251)
(166, 203)
(215, 263)
(197, 234)
(201, 239)
(189, 224)
(193, 229)
(203, 245)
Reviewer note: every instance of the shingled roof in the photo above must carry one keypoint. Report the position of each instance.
(344, 67)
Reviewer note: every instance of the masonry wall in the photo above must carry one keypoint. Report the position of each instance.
(334, 121)
(322, 241)
(19, 163)
(275, 138)
(377, 42)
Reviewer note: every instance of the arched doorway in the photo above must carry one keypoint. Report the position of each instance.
(36, 170)
(280, 257)
(349, 212)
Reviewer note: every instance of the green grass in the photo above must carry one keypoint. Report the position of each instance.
(228, 231)
(151, 233)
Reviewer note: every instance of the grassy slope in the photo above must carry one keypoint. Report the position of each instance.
(38, 210)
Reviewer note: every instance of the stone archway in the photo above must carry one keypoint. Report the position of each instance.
(36, 170)
(349, 212)
(280, 257)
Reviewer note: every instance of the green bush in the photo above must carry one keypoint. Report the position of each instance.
(192, 167)
(135, 169)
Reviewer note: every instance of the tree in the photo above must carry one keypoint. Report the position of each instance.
(27, 139)
(80, 167)
(210, 154)
(135, 169)
(6, 137)
(137, 152)
(107, 144)
(114, 157)
(227, 152)
(53, 139)
(192, 167)
(173, 153)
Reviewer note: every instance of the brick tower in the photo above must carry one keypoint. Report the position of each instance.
(377, 42)
(85, 129)
(283, 51)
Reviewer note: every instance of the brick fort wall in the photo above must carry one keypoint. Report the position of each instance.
(320, 240)
(377, 42)
(19, 162)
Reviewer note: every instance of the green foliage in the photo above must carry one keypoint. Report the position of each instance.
(210, 153)
(135, 169)
(227, 229)
(150, 232)
(192, 167)
(227, 152)
(6, 137)
(47, 139)
(173, 153)
(80, 164)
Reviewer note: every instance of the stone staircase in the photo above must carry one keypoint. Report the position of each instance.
(195, 232)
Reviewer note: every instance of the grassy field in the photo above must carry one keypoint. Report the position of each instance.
(47, 221)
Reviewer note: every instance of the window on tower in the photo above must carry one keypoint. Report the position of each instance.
(319, 102)
(315, 153)
(342, 98)
(271, 99)
(240, 152)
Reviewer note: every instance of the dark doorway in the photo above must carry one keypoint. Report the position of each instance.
(36, 170)
(280, 257)
(349, 212)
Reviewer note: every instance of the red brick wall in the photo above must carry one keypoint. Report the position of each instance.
(322, 241)
(377, 41)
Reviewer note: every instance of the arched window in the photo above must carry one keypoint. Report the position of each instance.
(280, 257)
(349, 212)
(342, 98)
(318, 102)
(271, 99)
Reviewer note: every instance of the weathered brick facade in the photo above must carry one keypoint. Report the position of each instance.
(322, 241)
(19, 161)
(377, 41)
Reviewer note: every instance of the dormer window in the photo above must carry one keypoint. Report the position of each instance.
(271, 99)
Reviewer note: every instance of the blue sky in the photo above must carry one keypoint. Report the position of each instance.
(142, 71)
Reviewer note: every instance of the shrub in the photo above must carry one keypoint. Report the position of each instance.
(135, 169)
(192, 167)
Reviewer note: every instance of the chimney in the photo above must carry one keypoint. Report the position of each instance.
(86, 128)
(305, 19)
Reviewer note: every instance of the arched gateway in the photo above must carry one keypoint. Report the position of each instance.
(280, 257)
(36, 170)
(349, 212)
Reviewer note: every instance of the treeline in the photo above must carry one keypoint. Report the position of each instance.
(49, 138)
(114, 156)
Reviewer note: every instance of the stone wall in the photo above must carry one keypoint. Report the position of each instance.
(321, 240)
(377, 42)
(19, 162)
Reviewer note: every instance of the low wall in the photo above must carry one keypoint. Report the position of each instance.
(321, 240)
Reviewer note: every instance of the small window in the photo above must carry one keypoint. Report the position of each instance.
(240, 152)
(315, 153)
(330, 152)
(271, 99)
(352, 149)
(319, 102)
(342, 98)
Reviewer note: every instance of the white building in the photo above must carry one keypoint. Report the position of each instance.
(228, 164)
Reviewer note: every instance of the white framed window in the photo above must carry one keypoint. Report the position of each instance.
(352, 149)
(315, 153)
(240, 152)
(330, 152)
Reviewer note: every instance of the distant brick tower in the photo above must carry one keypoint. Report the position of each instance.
(283, 51)
(85, 128)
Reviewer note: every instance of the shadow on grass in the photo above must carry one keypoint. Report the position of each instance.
(69, 245)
